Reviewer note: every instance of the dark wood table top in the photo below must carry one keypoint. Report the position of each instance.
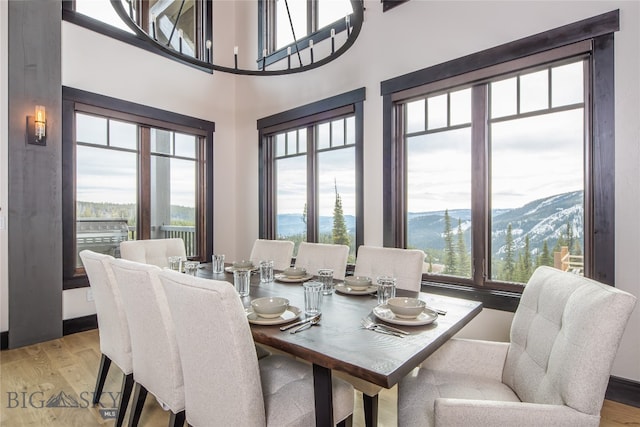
(340, 344)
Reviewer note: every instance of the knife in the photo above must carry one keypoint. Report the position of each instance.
(302, 322)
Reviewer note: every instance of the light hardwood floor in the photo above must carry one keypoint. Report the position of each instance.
(31, 376)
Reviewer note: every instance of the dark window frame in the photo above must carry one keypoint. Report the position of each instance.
(266, 34)
(350, 103)
(69, 14)
(78, 100)
(601, 177)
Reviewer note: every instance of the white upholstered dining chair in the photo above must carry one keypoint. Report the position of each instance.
(113, 328)
(156, 361)
(153, 251)
(315, 256)
(553, 372)
(403, 264)
(225, 383)
(278, 251)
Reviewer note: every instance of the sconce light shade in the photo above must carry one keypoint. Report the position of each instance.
(37, 127)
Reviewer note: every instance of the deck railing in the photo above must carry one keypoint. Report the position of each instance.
(187, 233)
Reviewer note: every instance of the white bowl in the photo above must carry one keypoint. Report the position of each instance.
(406, 308)
(244, 264)
(270, 307)
(357, 283)
(294, 272)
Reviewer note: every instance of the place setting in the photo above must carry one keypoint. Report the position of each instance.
(356, 285)
(241, 265)
(272, 311)
(293, 275)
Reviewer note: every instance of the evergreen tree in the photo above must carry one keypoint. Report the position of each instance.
(449, 249)
(509, 267)
(430, 269)
(464, 262)
(526, 261)
(577, 249)
(545, 257)
(340, 233)
(569, 238)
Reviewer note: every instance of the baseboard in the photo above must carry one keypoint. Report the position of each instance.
(4, 340)
(79, 324)
(625, 391)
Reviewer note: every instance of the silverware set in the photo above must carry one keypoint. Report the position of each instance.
(382, 329)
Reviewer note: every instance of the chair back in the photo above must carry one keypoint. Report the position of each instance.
(115, 342)
(156, 361)
(403, 264)
(564, 337)
(153, 251)
(279, 251)
(221, 374)
(315, 256)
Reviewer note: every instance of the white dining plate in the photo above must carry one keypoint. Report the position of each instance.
(283, 278)
(292, 313)
(383, 312)
(344, 289)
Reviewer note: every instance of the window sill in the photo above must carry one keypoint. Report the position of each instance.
(493, 299)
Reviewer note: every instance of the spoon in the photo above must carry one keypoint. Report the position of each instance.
(314, 322)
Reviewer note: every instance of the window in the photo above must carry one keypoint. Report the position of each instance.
(311, 173)
(502, 168)
(311, 19)
(132, 177)
(182, 26)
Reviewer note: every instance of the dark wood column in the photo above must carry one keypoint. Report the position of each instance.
(34, 183)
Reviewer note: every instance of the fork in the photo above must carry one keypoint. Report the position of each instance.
(384, 329)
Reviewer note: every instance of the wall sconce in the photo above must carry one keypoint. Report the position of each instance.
(37, 127)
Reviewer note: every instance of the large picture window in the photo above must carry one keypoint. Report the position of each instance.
(312, 173)
(500, 169)
(133, 177)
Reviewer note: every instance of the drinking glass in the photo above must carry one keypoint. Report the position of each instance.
(174, 263)
(312, 298)
(218, 263)
(191, 267)
(241, 280)
(386, 289)
(325, 276)
(266, 271)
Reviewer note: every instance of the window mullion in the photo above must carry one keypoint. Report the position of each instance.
(144, 184)
(480, 205)
(312, 184)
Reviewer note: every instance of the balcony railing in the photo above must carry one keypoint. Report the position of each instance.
(187, 233)
(565, 261)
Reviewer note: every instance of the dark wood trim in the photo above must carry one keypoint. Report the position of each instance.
(557, 37)
(597, 34)
(307, 115)
(624, 391)
(146, 116)
(4, 340)
(357, 95)
(79, 324)
(603, 158)
(140, 110)
(390, 4)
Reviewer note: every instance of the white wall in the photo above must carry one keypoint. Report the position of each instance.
(440, 31)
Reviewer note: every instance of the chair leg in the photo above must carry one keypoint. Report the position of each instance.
(347, 422)
(370, 410)
(103, 370)
(177, 420)
(125, 394)
(139, 395)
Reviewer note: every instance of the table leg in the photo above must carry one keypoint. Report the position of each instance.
(370, 410)
(323, 395)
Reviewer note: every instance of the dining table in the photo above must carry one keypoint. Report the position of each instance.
(339, 342)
